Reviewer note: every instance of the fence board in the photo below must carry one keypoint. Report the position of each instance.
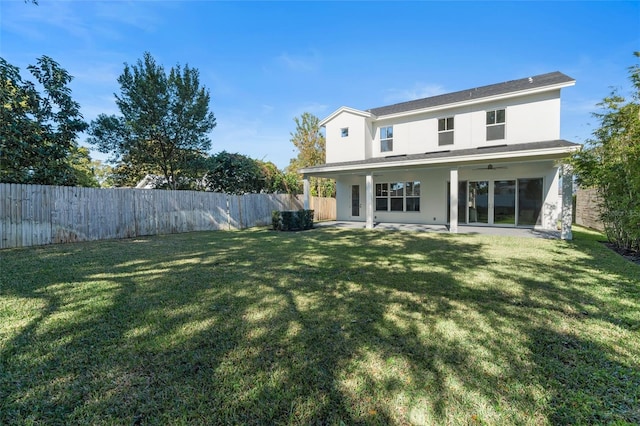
(588, 209)
(39, 214)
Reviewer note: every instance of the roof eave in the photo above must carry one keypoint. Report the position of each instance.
(557, 152)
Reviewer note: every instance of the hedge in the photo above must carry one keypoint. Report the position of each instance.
(291, 220)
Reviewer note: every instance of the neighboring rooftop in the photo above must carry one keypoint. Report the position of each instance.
(534, 82)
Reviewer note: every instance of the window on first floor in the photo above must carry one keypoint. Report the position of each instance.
(445, 131)
(386, 139)
(398, 196)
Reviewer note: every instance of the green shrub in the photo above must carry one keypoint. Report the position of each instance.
(289, 220)
(306, 218)
(276, 220)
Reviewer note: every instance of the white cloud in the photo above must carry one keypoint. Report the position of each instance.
(106, 73)
(317, 109)
(260, 137)
(581, 105)
(84, 21)
(218, 85)
(300, 63)
(57, 14)
(133, 14)
(418, 91)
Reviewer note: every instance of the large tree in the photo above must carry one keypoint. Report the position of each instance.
(310, 144)
(163, 126)
(610, 162)
(40, 123)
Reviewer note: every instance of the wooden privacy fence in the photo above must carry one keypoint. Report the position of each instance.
(36, 214)
(588, 209)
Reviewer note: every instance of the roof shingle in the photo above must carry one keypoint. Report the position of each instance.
(533, 82)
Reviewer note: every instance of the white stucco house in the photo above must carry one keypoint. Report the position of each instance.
(487, 156)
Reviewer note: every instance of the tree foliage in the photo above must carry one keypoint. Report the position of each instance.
(84, 168)
(232, 174)
(103, 173)
(311, 146)
(239, 174)
(610, 162)
(309, 141)
(163, 126)
(279, 181)
(40, 125)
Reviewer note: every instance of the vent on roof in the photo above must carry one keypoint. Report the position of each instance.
(396, 156)
(438, 152)
(492, 146)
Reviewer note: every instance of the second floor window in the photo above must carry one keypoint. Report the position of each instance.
(344, 132)
(386, 139)
(495, 124)
(445, 131)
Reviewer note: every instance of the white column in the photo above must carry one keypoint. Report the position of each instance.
(369, 201)
(453, 204)
(567, 202)
(306, 192)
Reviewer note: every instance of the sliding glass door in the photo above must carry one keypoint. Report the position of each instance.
(529, 201)
(478, 207)
(510, 202)
(504, 202)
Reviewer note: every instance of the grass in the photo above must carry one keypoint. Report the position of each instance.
(327, 326)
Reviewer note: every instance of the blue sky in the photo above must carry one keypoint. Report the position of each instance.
(268, 62)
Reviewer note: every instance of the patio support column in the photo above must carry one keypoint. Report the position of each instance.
(306, 192)
(453, 204)
(567, 202)
(369, 201)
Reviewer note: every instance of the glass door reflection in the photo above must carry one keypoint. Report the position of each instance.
(478, 202)
(504, 202)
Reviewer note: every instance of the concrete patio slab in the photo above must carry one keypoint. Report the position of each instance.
(462, 229)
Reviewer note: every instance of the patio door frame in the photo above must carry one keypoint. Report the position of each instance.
(464, 220)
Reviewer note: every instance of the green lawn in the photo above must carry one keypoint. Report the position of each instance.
(328, 326)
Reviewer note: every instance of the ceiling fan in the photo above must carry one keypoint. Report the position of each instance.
(490, 167)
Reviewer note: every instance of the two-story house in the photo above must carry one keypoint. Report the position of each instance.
(488, 156)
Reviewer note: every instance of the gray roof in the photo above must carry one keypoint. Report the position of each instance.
(533, 82)
(446, 154)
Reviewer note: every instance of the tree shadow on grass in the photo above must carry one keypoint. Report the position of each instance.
(587, 383)
(320, 327)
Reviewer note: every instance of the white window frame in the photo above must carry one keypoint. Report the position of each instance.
(495, 123)
(344, 132)
(387, 192)
(386, 142)
(448, 126)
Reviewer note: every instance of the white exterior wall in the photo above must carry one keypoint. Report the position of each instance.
(343, 197)
(531, 118)
(352, 147)
(534, 118)
(433, 196)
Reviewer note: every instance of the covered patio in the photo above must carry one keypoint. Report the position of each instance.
(521, 189)
(462, 229)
